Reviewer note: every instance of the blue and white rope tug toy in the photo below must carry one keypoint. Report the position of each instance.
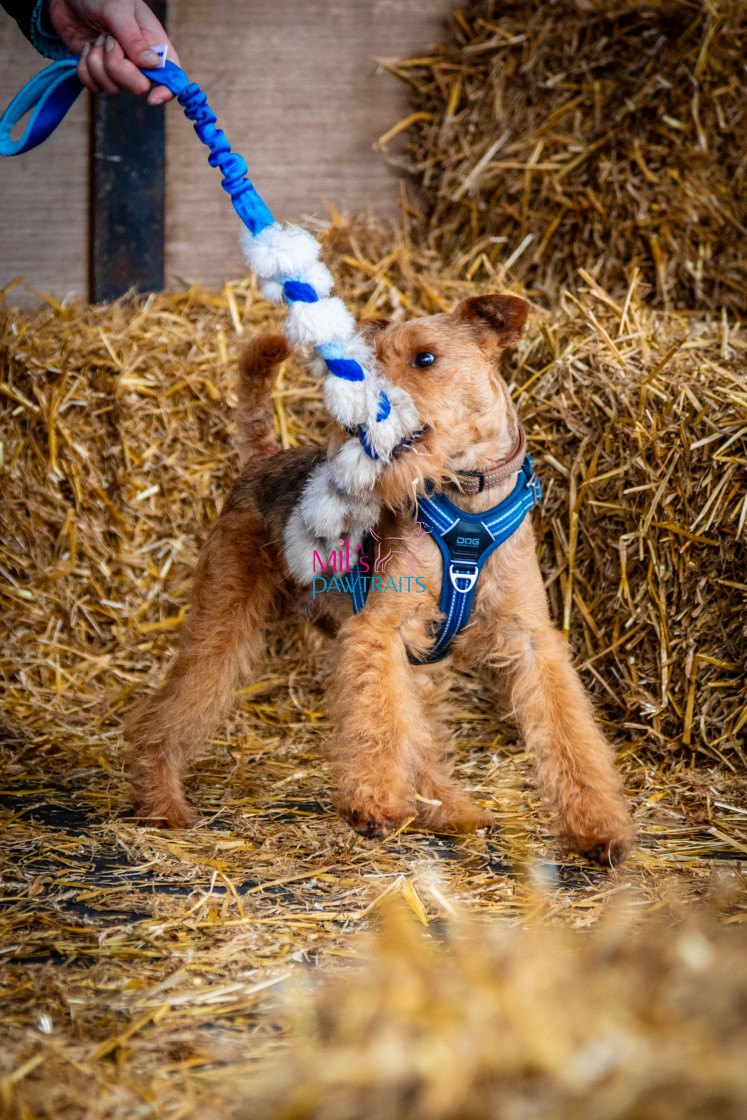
(338, 500)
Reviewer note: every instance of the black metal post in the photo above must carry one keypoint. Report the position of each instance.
(128, 151)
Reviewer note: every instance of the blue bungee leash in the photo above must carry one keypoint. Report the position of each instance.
(51, 93)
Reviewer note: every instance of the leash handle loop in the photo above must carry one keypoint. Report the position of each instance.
(48, 96)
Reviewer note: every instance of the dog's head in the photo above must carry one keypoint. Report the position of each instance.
(449, 366)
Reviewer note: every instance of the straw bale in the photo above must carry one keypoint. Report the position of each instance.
(640, 424)
(551, 136)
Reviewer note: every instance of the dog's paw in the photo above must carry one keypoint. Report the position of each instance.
(607, 843)
(464, 816)
(607, 853)
(599, 828)
(471, 821)
(373, 815)
(176, 814)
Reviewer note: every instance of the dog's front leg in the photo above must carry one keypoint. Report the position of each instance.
(377, 725)
(574, 760)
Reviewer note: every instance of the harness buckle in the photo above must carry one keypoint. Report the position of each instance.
(470, 576)
(533, 481)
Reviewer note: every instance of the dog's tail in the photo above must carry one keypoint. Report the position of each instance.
(258, 366)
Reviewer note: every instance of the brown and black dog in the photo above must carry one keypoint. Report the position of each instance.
(390, 752)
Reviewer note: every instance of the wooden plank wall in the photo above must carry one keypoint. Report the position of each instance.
(296, 88)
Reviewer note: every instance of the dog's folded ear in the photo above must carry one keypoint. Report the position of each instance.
(369, 328)
(503, 316)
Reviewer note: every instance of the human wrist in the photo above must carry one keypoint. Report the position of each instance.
(44, 38)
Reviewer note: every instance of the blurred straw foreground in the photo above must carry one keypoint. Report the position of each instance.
(220, 972)
(622, 1023)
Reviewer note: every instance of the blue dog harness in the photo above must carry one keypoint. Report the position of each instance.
(465, 541)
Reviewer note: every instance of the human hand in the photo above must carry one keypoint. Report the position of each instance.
(113, 38)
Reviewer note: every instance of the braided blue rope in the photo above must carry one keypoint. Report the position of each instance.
(50, 94)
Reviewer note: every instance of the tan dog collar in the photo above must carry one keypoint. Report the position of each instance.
(474, 482)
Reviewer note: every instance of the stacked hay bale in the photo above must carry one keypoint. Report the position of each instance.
(640, 421)
(552, 136)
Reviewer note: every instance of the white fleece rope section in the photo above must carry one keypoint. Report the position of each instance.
(337, 501)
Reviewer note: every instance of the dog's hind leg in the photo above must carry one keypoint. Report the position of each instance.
(223, 636)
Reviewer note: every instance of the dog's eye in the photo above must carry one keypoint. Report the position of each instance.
(424, 359)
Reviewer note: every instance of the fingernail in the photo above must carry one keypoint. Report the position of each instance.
(99, 40)
(150, 58)
(109, 45)
(86, 50)
(158, 100)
